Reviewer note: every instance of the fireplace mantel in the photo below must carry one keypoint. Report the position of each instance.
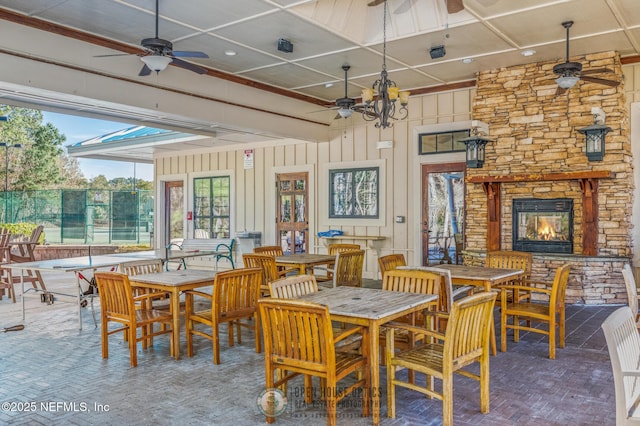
(539, 177)
(588, 184)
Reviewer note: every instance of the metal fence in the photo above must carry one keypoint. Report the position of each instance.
(84, 216)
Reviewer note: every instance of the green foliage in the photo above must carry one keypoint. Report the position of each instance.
(22, 228)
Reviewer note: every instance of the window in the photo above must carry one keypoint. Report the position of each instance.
(354, 193)
(436, 143)
(211, 207)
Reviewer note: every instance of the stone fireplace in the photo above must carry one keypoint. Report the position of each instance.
(543, 225)
(538, 154)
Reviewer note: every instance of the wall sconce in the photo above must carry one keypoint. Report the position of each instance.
(594, 135)
(475, 145)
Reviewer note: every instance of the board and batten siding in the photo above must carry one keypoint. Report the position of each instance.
(352, 141)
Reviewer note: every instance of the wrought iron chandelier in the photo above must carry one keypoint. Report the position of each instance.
(383, 107)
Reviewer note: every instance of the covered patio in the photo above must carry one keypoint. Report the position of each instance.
(59, 368)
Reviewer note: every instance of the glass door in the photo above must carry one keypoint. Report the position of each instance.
(442, 212)
(291, 218)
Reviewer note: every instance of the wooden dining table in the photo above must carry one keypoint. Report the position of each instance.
(174, 282)
(370, 308)
(304, 261)
(484, 277)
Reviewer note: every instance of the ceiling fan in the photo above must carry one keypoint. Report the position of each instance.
(453, 6)
(346, 105)
(159, 53)
(570, 72)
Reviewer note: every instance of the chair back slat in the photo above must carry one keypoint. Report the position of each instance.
(270, 250)
(423, 280)
(298, 334)
(293, 287)
(559, 288)
(265, 262)
(632, 290)
(236, 292)
(468, 328)
(511, 259)
(623, 342)
(142, 267)
(333, 249)
(348, 268)
(391, 262)
(115, 294)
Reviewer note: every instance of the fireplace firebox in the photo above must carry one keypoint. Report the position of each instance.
(543, 225)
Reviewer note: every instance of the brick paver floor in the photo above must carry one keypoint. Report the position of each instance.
(51, 373)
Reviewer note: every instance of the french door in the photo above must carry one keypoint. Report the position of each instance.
(292, 222)
(174, 211)
(442, 211)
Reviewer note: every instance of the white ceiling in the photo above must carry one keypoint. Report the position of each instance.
(329, 33)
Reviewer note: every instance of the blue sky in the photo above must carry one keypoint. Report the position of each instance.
(78, 129)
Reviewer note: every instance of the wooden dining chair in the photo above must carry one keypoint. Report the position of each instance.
(234, 298)
(299, 340)
(347, 270)
(270, 271)
(270, 250)
(465, 341)
(551, 313)
(117, 304)
(512, 259)
(632, 291)
(391, 262)
(623, 343)
(152, 266)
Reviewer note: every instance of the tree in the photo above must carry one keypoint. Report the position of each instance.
(40, 162)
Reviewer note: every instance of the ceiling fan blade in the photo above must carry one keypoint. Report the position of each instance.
(145, 71)
(596, 71)
(114, 54)
(600, 81)
(560, 91)
(404, 7)
(375, 2)
(188, 54)
(454, 6)
(189, 66)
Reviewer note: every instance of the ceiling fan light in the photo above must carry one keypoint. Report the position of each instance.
(367, 95)
(345, 112)
(404, 97)
(567, 82)
(156, 63)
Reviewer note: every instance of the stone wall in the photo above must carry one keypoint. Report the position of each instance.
(535, 132)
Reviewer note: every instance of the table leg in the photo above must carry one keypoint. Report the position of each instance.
(374, 355)
(175, 310)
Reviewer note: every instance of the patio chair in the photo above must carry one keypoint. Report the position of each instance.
(118, 305)
(465, 341)
(299, 339)
(632, 292)
(234, 298)
(332, 250)
(552, 313)
(6, 280)
(267, 264)
(391, 262)
(22, 250)
(511, 259)
(270, 250)
(146, 267)
(623, 342)
(410, 281)
(347, 270)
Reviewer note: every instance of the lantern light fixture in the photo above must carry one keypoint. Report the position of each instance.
(594, 135)
(475, 144)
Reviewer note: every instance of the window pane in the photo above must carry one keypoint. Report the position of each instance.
(300, 213)
(285, 185)
(300, 185)
(285, 213)
(427, 143)
(212, 199)
(354, 193)
(457, 137)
